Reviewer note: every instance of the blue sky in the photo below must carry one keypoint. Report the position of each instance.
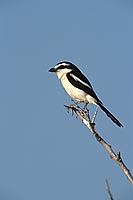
(44, 152)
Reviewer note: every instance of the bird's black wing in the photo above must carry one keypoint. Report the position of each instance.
(81, 82)
(81, 76)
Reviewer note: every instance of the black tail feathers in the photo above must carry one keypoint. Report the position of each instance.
(110, 115)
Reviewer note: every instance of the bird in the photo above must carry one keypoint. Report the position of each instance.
(79, 87)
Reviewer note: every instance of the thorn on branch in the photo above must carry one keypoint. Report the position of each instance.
(98, 137)
(119, 156)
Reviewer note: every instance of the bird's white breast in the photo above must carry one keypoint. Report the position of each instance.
(74, 92)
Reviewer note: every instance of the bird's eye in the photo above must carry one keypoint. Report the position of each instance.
(61, 67)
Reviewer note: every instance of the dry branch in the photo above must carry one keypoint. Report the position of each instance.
(85, 118)
(108, 190)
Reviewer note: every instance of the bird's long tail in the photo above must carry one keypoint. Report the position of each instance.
(110, 115)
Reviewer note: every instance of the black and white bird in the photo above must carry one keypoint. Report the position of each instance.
(79, 87)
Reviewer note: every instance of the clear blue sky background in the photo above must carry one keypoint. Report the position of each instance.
(44, 152)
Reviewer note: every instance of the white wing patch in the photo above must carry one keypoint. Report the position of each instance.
(77, 79)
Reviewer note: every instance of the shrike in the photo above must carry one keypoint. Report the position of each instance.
(79, 87)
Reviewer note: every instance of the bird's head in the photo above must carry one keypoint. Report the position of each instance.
(62, 68)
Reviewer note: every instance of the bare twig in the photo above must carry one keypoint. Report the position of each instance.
(115, 156)
(108, 190)
(95, 114)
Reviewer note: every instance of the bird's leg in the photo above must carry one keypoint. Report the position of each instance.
(85, 107)
(95, 114)
(86, 111)
(75, 104)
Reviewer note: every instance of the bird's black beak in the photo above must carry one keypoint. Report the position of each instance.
(52, 70)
